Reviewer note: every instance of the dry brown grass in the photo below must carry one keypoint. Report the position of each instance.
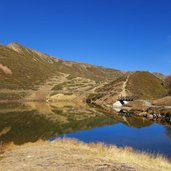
(73, 156)
(146, 86)
(137, 105)
(168, 83)
(165, 101)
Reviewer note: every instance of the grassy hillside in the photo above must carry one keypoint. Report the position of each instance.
(145, 85)
(23, 68)
(96, 73)
(107, 93)
(26, 69)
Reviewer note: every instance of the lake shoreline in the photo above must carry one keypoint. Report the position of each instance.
(158, 114)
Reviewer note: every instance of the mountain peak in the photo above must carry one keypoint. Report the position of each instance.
(16, 47)
(14, 44)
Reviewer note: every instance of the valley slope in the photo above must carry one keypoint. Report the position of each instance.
(31, 75)
(24, 71)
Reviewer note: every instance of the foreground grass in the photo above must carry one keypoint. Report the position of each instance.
(77, 156)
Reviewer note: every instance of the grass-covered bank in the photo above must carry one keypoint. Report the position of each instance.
(73, 155)
(165, 101)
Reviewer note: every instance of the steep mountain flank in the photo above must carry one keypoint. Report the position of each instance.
(26, 70)
(26, 67)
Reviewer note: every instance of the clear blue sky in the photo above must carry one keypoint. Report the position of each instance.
(122, 34)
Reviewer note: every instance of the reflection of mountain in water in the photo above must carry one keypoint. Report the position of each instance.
(29, 123)
(168, 131)
(22, 125)
(136, 122)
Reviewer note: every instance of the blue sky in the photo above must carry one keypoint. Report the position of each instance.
(121, 34)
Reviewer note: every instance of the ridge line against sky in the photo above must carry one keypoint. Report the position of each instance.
(121, 34)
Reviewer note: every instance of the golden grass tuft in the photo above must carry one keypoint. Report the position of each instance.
(70, 154)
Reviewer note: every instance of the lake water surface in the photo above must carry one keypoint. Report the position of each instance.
(21, 123)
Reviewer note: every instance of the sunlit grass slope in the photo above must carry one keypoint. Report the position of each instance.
(77, 156)
(145, 85)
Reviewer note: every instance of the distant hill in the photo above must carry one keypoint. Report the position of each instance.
(160, 75)
(142, 84)
(23, 68)
(145, 85)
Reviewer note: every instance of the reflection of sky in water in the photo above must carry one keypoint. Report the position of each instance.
(152, 138)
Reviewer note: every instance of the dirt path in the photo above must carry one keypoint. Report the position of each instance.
(123, 92)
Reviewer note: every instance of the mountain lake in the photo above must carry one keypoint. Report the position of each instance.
(22, 123)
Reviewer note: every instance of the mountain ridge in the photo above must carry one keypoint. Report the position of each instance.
(46, 77)
(24, 69)
(58, 65)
